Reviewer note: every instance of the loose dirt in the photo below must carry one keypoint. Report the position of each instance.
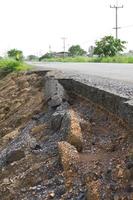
(30, 162)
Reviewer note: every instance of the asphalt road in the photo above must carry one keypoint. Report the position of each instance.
(123, 72)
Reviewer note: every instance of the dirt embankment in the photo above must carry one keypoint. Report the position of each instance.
(56, 145)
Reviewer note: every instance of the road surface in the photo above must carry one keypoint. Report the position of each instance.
(122, 72)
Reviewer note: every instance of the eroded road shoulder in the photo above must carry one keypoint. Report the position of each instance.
(57, 145)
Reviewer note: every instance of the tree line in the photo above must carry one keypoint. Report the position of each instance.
(107, 46)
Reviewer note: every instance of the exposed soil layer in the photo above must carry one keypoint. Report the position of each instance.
(34, 162)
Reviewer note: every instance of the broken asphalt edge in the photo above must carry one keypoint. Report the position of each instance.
(114, 103)
(120, 106)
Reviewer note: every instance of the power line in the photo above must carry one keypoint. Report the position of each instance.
(116, 7)
(128, 26)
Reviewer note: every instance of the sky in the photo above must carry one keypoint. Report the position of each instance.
(35, 25)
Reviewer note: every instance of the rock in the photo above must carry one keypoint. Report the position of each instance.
(71, 129)
(6, 181)
(63, 107)
(54, 92)
(52, 194)
(129, 163)
(56, 120)
(120, 173)
(82, 196)
(33, 188)
(55, 101)
(23, 190)
(68, 155)
(60, 190)
(38, 129)
(123, 173)
(52, 87)
(15, 155)
(116, 197)
(32, 143)
(10, 135)
(93, 192)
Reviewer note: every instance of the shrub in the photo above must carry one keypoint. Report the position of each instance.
(10, 65)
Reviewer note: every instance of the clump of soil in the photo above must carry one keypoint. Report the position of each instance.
(36, 159)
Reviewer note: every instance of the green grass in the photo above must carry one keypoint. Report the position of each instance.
(116, 59)
(10, 65)
(67, 59)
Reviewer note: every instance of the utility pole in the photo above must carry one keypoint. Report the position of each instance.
(64, 44)
(116, 7)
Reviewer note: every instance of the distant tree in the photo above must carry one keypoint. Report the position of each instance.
(16, 54)
(76, 50)
(108, 46)
(130, 52)
(32, 58)
(47, 55)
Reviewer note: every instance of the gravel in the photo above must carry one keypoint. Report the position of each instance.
(118, 87)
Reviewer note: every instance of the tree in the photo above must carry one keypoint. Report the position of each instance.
(45, 56)
(15, 54)
(32, 58)
(76, 50)
(130, 53)
(109, 46)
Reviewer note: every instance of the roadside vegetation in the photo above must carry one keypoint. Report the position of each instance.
(106, 50)
(32, 58)
(15, 54)
(14, 61)
(10, 65)
(76, 50)
(114, 59)
(109, 46)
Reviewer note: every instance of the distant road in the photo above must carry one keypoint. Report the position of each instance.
(122, 72)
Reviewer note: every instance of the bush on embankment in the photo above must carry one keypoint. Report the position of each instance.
(10, 65)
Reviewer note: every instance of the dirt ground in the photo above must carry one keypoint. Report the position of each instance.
(30, 161)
